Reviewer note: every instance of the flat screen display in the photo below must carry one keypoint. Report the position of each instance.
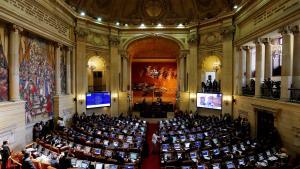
(209, 100)
(94, 100)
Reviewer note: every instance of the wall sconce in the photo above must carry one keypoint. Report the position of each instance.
(216, 66)
(91, 66)
(114, 97)
(80, 98)
(193, 97)
(227, 99)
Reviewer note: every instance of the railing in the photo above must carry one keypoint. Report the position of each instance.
(247, 91)
(97, 88)
(294, 95)
(271, 93)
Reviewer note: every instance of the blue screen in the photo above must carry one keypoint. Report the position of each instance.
(94, 100)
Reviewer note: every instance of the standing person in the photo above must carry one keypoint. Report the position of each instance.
(26, 161)
(5, 153)
(60, 123)
(154, 142)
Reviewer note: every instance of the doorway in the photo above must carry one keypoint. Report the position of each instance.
(265, 123)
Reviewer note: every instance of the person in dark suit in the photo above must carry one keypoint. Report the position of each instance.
(65, 161)
(26, 162)
(5, 153)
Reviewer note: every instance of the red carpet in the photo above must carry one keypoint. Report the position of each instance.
(153, 160)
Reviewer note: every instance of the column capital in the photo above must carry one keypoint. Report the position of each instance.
(114, 40)
(81, 32)
(246, 47)
(266, 40)
(183, 53)
(123, 53)
(58, 45)
(15, 28)
(295, 29)
(193, 39)
(258, 41)
(285, 30)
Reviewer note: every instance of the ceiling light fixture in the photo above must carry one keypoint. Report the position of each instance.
(126, 25)
(180, 25)
(82, 13)
(118, 23)
(159, 25)
(99, 19)
(142, 26)
(235, 7)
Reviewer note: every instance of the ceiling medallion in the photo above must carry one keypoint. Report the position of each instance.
(153, 8)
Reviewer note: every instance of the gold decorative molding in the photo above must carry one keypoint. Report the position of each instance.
(114, 40)
(193, 39)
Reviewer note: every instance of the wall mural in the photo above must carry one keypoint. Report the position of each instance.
(63, 73)
(153, 80)
(37, 77)
(3, 75)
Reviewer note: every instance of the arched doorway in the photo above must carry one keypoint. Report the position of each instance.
(154, 70)
(210, 69)
(96, 74)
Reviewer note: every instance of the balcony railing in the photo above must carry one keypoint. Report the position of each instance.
(294, 95)
(271, 93)
(97, 88)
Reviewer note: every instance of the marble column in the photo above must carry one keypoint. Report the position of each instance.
(259, 67)
(68, 73)
(125, 73)
(241, 71)
(115, 78)
(296, 60)
(13, 62)
(191, 67)
(248, 64)
(182, 72)
(268, 58)
(287, 62)
(57, 69)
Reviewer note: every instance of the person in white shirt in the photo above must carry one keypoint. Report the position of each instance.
(155, 139)
(60, 123)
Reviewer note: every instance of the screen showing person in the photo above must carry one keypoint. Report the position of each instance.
(186, 167)
(209, 100)
(133, 156)
(108, 153)
(177, 146)
(165, 147)
(197, 144)
(230, 165)
(216, 166)
(121, 154)
(73, 161)
(125, 145)
(85, 164)
(193, 154)
(187, 145)
(78, 163)
(99, 166)
(216, 151)
(129, 167)
(241, 162)
(97, 151)
(201, 166)
(167, 156)
(105, 143)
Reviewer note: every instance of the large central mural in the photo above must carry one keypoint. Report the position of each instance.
(154, 80)
(37, 77)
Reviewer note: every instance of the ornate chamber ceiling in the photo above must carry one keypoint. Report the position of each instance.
(168, 12)
(153, 48)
